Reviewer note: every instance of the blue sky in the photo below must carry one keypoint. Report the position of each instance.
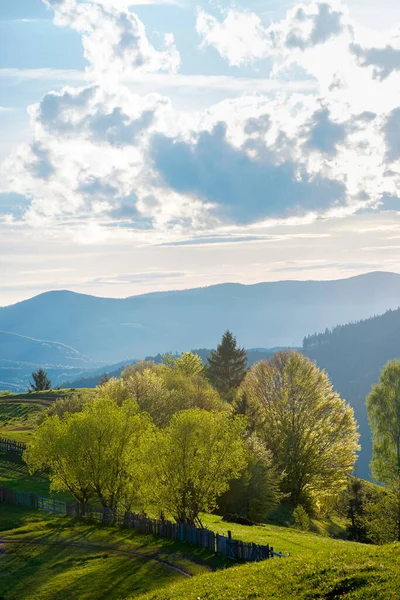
(208, 141)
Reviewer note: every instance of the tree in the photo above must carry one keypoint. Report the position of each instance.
(59, 448)
(383, 407)
(309, 429)
(187, 465)
(163, 390)
(40, 381)
(92, 452)
(256, 493)
(381, 517)
(227, 366)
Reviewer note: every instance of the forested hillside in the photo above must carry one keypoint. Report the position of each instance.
(353, 355)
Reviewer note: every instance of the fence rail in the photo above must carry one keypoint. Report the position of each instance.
(203, 538)
(7, 445)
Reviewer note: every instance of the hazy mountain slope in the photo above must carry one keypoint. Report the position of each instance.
(18, 347)
(261, 315)
(353, 355)
(20, 355)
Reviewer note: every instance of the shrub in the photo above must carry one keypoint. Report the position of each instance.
(301, 518)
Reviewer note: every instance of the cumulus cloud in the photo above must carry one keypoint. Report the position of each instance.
(385, 60)
(104, 154)
(392, 135)
(324, 134)
(242, 188)
(114, 38)
(97, 114)
(241, 38)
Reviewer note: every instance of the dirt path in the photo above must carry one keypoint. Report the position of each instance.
(4, 541)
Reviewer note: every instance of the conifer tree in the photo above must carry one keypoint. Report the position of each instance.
(40, 381)
(227, 365)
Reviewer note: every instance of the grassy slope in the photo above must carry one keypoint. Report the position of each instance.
(19, 413)
(357, 572)
(18, 420)
(46, 394)
(97, 569)
(14, 475)
(282, 539)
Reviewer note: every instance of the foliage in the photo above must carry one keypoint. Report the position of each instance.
(62, 406)
(381, 517)
(115, 390)
(227, 366)
(383, 406)
(301, 518)
(256, 493)
(189, 464)
(355, 512)
(190, 364)
(163, 390)
(309, 429)
(91, 452)
(40, 381)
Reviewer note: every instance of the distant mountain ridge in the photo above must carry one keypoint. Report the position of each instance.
(260, 315)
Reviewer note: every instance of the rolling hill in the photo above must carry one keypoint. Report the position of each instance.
(260, 315)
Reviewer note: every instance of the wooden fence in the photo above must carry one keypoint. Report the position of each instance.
(203, 538)
(7, 445)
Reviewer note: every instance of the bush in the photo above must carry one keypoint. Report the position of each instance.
(301, 518)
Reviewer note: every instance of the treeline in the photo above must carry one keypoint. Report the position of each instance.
(183, 437)
(367, 330)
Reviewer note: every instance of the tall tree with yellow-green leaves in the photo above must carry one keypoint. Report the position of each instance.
(188, 464)
(310, 431)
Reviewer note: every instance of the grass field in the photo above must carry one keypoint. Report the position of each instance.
(356, 572)
(18, 420)
(48, 395)
(14, 475)
(19, 413)
(62, 558)
(283, 539)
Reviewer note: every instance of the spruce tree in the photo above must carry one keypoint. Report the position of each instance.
(40, 381)
(227, 366)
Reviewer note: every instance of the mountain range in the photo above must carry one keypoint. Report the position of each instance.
(261, 315)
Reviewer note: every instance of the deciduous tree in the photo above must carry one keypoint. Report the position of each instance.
(190, 463)
(309, 429)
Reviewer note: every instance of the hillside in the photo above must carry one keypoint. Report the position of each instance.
(353, 355)
(20, 355)
(265, 314)
(353, 573)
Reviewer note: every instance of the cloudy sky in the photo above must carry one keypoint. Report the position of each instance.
(163, 145)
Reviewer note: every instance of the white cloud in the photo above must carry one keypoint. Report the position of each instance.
(114, 38)
(105, 161)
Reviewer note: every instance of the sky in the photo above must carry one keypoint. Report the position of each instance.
(153, 145)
